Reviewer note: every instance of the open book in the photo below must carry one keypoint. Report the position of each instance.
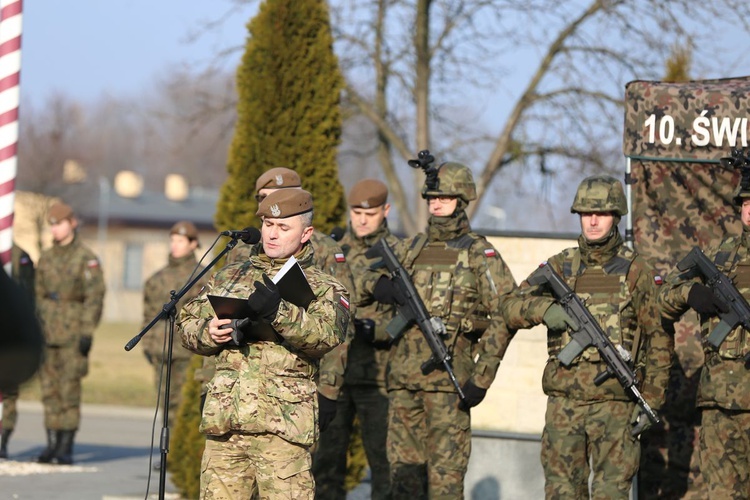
(293, 287)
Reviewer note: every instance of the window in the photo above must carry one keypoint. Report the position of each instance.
(132, 278)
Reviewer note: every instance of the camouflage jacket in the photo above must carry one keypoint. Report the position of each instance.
(69, 292)
(157, 292)
(724, 379)
(366, 361)
(329, 258)
(267, 386)
(619, 289)
(463, 280)
(22, 270)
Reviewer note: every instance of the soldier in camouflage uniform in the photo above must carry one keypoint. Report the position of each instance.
(260, 414)
(363, 394)
(183, 241)
(586, 424)
(328, 257)
(462, 280)
(70, 297)
(723, 395)
(22, 272)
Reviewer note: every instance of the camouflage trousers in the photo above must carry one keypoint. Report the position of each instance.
(429, 443)
(370, 404)
(10, 412)
(60, 376)
(177, 378)
(577, 433)
(243, 466)
(725, 452)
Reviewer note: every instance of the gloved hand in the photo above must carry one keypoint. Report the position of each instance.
(326, 411)
(473, 395)
(239, 326)
(365, 329)
(639, 422)
(84, 345)
(556, 318)
(703, 300)
(388, 292)
(265, 300)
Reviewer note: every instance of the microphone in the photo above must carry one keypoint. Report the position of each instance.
(249, 235)
(337, 233)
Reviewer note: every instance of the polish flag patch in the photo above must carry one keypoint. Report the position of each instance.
(92, 263)
(339, 257)
(658, 280)
(344, 302)
(489, 252)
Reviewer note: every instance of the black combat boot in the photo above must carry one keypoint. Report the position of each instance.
(49, 452)
(64, 453)
(4, 443)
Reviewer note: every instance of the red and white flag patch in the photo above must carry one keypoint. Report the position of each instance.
(658, 280)
(93, 263)
(344, 302)
(340, 257)
(489, 252)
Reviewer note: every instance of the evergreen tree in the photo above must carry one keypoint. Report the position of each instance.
(288, 114)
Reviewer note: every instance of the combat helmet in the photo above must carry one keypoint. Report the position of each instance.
(600, 193)
(740, 161)
(453, 179)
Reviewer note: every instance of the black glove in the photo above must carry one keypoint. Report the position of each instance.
(265, 300)
(326, 411)
(365, 329)
(703, 300)
(239, 326)
(639, 422)
(388, 292)
(473, 395)
(84, 345)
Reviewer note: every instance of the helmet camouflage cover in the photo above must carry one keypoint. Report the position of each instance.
(600, 193)
(454, 179)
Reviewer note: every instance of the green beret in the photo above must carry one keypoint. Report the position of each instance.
(285, 203)
(368, 193)
(277, 178)
(59, 212)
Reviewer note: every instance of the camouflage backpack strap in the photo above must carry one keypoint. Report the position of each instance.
(572, 266)
(620, 264)
(417, 244)
(726, 257)
(464, 242)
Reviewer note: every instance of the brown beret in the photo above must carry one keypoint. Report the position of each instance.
(185, 228)
(277, 178)
(285, 203)
(368, 193)
(59, 212)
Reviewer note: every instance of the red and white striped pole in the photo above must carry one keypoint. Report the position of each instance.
(10, 72)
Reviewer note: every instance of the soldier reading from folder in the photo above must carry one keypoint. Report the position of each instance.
(260, 416)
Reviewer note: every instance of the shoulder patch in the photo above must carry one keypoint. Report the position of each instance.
(543, 263)
(340, 257)
(490, 252)
(344, 302)
(92, 263)
(658, 281)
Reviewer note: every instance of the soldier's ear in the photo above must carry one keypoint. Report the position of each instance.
(306, 234)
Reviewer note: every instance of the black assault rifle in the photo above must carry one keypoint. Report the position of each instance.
(414, 311)
(724, 290)
(590, 333)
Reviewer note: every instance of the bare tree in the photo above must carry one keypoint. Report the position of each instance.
(565, 115)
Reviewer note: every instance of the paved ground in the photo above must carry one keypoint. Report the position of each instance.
(111, 458)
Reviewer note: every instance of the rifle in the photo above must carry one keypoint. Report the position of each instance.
(590, 333)
(724, 290)
(414, 311)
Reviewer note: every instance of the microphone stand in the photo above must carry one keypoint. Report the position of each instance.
(170, 310)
